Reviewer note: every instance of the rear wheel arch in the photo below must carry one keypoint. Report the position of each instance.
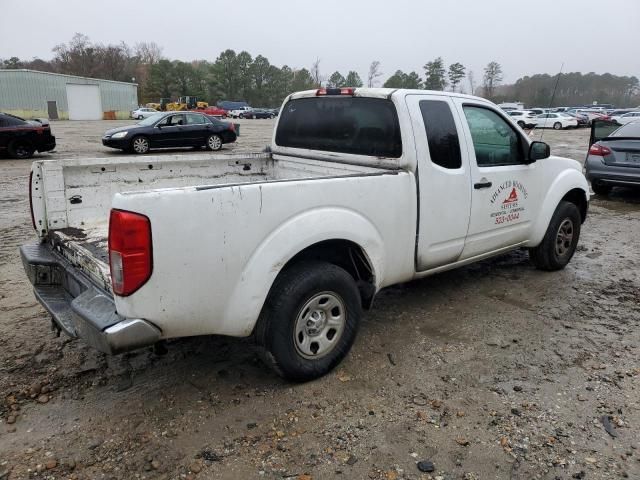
(347, 255)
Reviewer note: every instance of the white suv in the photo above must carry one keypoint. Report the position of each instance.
(524, 118)
(239, 111)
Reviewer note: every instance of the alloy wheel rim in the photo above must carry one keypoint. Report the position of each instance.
(319, 325)
(214, 142)
(564, 238)
(140, 145)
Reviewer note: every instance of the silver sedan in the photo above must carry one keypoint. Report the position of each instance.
(614, 159)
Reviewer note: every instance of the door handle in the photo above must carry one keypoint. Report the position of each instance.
(480, 185)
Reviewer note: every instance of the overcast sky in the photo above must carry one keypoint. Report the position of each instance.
(524, 36)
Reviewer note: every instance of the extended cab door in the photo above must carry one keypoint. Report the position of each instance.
(443, 180)
(506, 188)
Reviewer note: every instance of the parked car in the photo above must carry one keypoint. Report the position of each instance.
(238, 112)
(581, 118)
(538, 111)
(524, 118)
(257, 113)
(169, 130)
(621, 111)
(626, 117)
(557, 121)
(291, 246)
(143, 112)
(591, 114)
(213, 111)
(22, 138)
(614, 156)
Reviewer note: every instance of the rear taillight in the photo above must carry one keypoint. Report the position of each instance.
(232, 126)
(33, 218)
(599, 150)
(130, 251)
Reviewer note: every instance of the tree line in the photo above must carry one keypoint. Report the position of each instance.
(240, 76)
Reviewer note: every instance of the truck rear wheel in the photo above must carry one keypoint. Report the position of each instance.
(309, 320)
(560, 240)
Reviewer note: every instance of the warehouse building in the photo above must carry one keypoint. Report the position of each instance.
(33, 94)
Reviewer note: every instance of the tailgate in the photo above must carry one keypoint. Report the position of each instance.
(86, 250)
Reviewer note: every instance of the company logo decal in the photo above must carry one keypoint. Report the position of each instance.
(509, 198)
(513, 197)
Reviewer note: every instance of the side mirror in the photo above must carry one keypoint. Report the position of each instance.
(538, 151)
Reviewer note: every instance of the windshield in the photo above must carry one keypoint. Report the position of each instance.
(147, 122)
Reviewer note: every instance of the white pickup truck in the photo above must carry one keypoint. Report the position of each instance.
(361, 189)
(236, 113)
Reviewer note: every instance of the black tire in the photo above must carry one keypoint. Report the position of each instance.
(521, 124)
(214, 142)
(296, 295)
(139, 117)
(556, 249)
(600, 188)
(21, 150)
(140, 145)
(557, 126)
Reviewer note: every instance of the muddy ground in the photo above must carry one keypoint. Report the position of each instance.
(493, 371)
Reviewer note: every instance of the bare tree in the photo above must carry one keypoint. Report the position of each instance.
(148, 53)
(492, 78)
(315, 73)
(472, 83)
(374, 73)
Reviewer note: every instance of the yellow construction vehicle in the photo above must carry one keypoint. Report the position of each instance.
(186, 103)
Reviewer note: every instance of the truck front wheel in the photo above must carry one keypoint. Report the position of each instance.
(309, 320)
(560, 240)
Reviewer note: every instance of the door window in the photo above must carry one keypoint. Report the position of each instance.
(176, 120)
(193, 119)
(494, 141)
(442, 135)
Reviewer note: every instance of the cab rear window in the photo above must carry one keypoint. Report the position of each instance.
(354, 125)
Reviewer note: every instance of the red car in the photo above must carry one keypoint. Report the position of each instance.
(213, 111)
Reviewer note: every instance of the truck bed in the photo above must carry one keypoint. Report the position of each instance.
(77, 194)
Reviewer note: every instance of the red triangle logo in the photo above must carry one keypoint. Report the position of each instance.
(513, 197)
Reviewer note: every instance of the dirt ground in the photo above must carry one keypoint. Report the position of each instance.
(492, 371)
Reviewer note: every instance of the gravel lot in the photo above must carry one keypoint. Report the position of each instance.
(492, 371)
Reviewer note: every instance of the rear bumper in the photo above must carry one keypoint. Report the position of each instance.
(598, 171)
(50, 144)
(78, 307)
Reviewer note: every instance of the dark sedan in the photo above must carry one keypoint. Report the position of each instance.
(614, 156)
(257, 113)
(22, 138)
(171, 130)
